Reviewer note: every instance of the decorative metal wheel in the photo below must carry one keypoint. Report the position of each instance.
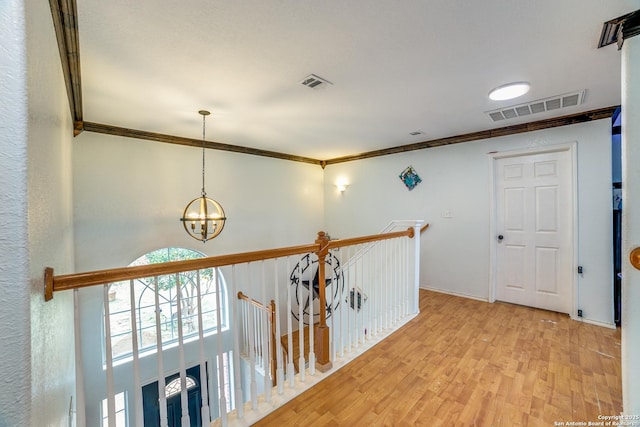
(305, 284)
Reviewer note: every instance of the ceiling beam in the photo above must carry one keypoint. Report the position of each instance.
(191, 142)
(586, 116)
(65, 23)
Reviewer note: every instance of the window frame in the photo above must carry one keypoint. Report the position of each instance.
(209, 329)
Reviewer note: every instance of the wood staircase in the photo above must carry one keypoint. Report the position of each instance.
(295, 351)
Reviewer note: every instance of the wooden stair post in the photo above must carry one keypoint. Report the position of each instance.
(323, 361)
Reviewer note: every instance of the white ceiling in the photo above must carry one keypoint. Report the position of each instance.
(396, 67)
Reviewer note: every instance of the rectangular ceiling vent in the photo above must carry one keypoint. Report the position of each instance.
(548, 104)
(315, 82)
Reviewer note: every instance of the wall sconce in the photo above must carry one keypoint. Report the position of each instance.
(342, 185)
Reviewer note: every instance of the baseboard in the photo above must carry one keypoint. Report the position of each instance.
(595, 322)
(458, 294)
(455, 294)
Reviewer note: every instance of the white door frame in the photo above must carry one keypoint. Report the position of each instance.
(571, 147)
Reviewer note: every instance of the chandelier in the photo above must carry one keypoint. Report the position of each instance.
(203, 218)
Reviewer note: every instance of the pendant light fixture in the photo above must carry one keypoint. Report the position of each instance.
(203, 218)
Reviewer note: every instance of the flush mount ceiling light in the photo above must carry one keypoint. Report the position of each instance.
(509, 91)
(203, 218)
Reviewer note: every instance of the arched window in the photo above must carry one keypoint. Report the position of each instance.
(175, 387)
(203, 282)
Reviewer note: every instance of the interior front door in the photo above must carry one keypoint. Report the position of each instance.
(534, 215)
(150, 400)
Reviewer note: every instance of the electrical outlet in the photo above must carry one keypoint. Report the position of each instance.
(579, 313)
(447, 214)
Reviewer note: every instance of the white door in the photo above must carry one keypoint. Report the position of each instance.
(534, 215)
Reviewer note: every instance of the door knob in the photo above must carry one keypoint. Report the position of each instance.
(634, 257)
(500, 237)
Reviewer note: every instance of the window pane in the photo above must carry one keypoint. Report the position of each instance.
(121, 411)
(174, 387)
(145, 322)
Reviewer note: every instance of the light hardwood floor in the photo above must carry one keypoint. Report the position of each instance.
(468, 363)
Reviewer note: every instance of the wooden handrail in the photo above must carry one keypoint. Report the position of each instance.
(338, 243)
(99, 277)
(81, 280)
(424, 227)
(246, 298)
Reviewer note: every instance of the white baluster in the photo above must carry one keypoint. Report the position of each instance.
(184, 397)
(367, 290)
(290, 365)
(301, 361)
(380, 271)
(357, 316)
(221, 371)
(111, 404)
(351, 276)
(357, 295)
(266, 337)
(387, 286)
(415, 283)
(353, 282)
(331, 301)
(137, 384)
(392, 278)
(399, 280)
(81, 418)
(407, 285)
(204, 386)
(364, 290)
(341, 303)
(252, 355)
(278, 343)
(392, 283)
(312, 354)
(162, 397)
(236, 343)
(255, 339)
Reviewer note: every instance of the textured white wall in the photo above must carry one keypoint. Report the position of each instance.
(631, 224)
(15, 375)
(50, 224)
(129, 195)
(455, 252)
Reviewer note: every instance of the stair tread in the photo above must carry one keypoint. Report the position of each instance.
(295, 335)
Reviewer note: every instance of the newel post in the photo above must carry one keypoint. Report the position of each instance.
(323, 361)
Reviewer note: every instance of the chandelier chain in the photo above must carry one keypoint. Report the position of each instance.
(204, 116)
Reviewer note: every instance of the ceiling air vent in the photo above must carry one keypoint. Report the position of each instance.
(541, 105)
(314, 82)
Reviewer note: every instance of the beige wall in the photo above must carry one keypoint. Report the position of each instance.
(456, 254)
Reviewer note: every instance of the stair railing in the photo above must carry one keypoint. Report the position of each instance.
(257, 321)
(394, 285)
